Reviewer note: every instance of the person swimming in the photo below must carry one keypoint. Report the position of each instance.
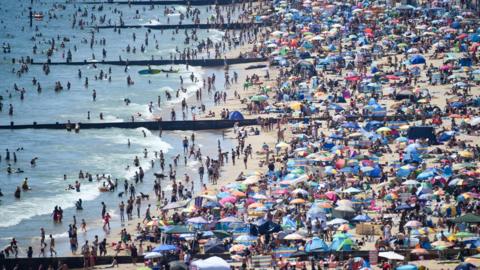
(78, 204)
(25, 185)
(17, 193)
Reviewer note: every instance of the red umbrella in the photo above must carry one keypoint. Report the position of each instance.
(392, 77)
(462, 36)
(331, 195)
(353, 78)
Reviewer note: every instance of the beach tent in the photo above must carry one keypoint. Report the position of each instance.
(316, 244)
(212, 263)
(422, 132)
(417, 59)
(236, 115)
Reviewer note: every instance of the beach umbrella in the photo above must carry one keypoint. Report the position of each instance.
(221, 233)
(413, 224)
(259, 98)
(237, 248)
(197, 220)
(419, 251)
(391, 256)
(352, 190)
(410, 183)
(464, 234)
(230, 199)
(300, 191)
(297, 201)
(259, 196)
(383, 130)
(294, 236)
(245, 238)
(362, 218)
(337, 221)
(152, 255)
(404, 206)
(255, 205)
(164, 247)
(467, 218)
(345, 203)
(343, 227)
(230, 220)
(177, 229)
(441, 243)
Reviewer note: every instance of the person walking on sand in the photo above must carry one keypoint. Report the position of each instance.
(52, 246)
(147, 214)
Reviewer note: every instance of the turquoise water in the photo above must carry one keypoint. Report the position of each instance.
(95, 151)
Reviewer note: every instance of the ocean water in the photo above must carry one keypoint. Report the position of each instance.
(95, 151)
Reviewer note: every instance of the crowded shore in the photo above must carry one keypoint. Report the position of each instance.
(364, 156)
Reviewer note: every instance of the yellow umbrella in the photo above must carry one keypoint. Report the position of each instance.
(383, 130)
(296, 106)
(465, 154)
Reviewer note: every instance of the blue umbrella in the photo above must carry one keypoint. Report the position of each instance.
(164, 247)
(404, 206)
(426, 175)
(456, 25)
(474, 38)
(362, 218)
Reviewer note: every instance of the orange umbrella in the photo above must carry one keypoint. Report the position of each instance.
(297, 201)
(237, 193)
(255, 205)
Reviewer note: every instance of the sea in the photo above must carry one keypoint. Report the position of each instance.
(102, 151)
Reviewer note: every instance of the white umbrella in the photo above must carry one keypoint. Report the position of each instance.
(410, 183)
(391, 255)
(197, 220)
(345, 208)
(337, 221)
(294, 236)
(152, 255)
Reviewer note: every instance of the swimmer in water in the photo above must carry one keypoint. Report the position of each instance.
(17, 193)
(25, 186)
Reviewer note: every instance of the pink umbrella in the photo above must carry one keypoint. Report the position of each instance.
(331, 195)
(281, 191)
(446, 67)
(228, 200)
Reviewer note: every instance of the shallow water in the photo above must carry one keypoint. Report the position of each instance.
(96, 151)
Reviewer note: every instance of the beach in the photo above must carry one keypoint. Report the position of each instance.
(367, 135)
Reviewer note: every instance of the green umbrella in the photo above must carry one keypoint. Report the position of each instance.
(468, 218)
(178, 229)
(464, 234)
(258, 98)
(221, 233)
